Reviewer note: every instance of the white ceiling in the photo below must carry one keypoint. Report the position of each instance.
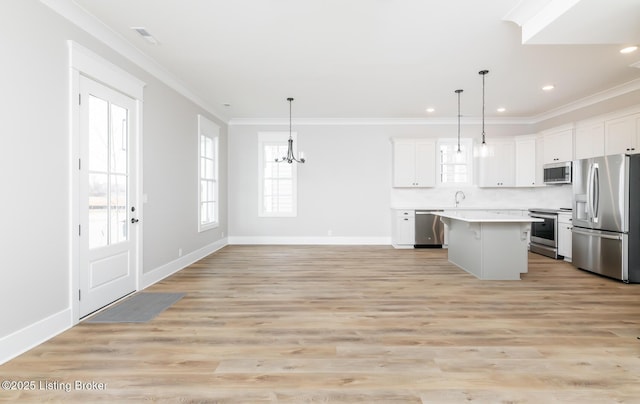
(370, 59)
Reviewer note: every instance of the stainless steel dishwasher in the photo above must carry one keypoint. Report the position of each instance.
(429, 229)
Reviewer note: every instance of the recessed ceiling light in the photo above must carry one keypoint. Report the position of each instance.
(501, 109)
(548, 87)
(430, 110)
(629, 49)
(145, 34)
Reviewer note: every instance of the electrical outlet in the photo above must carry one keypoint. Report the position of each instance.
(330, 233)
(179, 252)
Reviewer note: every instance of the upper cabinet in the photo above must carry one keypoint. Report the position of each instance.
(590, 140)
(497, 168)
(526, 162)
(621, 135)
(414, 164)
(558, 146)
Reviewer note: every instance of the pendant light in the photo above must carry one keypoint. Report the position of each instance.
(290, 158)
(483, 73)
(459, 151)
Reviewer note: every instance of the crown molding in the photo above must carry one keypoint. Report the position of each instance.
(93, 26)
(534, 16)
(633, 85)
(96, 28)
(376, 121)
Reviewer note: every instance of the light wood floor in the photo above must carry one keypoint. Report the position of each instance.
(334, 324)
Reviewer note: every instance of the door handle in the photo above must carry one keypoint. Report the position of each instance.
(134, 220)
(599, 235)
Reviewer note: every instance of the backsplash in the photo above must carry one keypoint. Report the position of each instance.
(552, 196)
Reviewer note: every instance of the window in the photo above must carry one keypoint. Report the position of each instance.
(208, 136)
(277, 189)
(454, 168)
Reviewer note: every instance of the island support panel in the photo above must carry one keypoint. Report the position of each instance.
(489, 250)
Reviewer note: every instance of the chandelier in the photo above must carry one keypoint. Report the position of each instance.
(290, 158)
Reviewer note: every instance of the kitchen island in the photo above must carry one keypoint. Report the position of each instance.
(490, 246)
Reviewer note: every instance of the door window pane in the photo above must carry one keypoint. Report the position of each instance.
(118, 224)
(108, 173)
(119, 134)
(98, 134)
(98, 211)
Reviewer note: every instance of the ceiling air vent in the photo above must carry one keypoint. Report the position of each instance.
(145, 34)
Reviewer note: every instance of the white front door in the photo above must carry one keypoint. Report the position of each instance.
(107, 189)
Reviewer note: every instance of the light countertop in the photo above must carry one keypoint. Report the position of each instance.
(452, 208)
(479, 216)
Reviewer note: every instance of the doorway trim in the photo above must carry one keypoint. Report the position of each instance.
(84, 62)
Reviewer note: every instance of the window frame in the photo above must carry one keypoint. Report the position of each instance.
(281, 139)
(466, 145)
(208, 129)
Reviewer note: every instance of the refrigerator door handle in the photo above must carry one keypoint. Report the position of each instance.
(599, 235)
(596, 192)
(590, 193)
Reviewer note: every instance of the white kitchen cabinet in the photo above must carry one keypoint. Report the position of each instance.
(403, 228)
(540, 160)
(622, 135)
(497, 168)
(590, 140)
(525, 161)
(564, 235)
(414, 163)
(558, 146)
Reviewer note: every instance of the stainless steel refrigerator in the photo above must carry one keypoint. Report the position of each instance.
(606, 216)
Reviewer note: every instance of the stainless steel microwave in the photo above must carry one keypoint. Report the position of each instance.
(557, 173)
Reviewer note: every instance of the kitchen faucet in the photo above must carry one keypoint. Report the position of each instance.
(456, 197)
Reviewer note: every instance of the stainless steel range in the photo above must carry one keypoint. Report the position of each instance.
(544, 235)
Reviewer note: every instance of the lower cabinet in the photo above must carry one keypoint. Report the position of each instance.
(403, 233)
(564, 235)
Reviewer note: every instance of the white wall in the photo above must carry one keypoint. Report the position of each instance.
(345, 185)
(171, 178)
(34, 167)
(35, 172)
(340, 188)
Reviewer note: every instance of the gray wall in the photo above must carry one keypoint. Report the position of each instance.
(35, 165)
(345, 186)
(170, 177)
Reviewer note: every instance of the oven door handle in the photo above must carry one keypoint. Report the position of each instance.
(542, 216)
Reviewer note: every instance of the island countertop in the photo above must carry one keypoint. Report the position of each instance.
(479, 216)
(491, 246)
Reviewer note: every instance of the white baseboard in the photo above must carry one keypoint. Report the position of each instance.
(311, 240)
(158, 274)
(33, 335)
